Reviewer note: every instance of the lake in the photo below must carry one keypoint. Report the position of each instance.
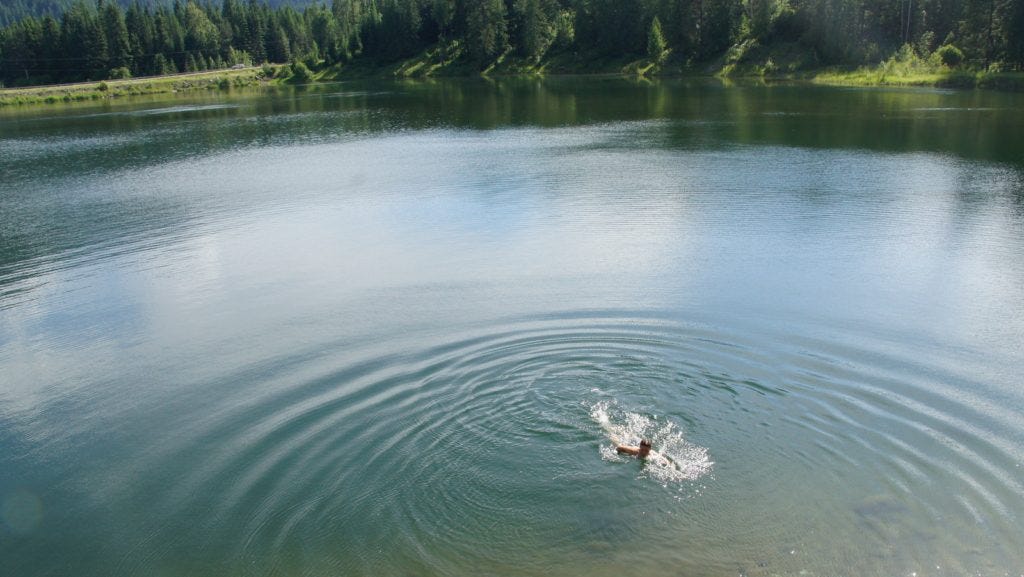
(396, 328)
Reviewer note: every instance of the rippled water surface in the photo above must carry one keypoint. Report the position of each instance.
(394, 329)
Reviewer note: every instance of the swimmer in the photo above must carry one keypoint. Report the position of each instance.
(640, 452)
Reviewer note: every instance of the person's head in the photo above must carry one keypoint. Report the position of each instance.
(645, 447)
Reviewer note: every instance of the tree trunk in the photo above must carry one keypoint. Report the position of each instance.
(988, 41)
(700, 24)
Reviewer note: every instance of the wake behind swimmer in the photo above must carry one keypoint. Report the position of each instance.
(677, 460)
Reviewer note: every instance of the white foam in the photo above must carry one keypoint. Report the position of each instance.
(673, 459)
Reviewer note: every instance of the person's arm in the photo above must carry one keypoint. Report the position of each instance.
(623, 449)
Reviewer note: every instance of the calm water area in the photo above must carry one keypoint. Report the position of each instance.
(394, 329)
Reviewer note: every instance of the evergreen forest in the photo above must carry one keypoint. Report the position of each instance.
(53, 41)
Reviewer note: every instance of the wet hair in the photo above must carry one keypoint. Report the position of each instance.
(645, 443)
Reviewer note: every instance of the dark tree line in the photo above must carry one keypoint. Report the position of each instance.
(79, 41)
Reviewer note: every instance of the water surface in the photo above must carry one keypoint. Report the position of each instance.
(392, 328)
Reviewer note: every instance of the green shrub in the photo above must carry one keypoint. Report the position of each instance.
(301, 73)
(925, 43)
(102, 87)
(120, 73)
(906, 54)
(950, 55)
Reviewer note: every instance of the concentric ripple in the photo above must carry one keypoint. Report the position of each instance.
(488, 450)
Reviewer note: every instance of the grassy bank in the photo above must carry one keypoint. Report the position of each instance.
(1006, 81)
(789, 61)
(85, 91)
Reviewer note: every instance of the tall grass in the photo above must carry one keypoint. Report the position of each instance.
(907, 68)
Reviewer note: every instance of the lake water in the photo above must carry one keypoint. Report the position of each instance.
(391, 329)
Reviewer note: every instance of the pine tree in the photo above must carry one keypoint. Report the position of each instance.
(656, 45)
(279, 49)
(139, 24)
(325, 35)
(535, 29)
(201, 35)
(759, 13)
(118, 44)
(487, 29)
(161, 65)
(1014, 27)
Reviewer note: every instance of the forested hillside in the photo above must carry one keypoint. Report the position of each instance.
(103, 40)
(13, 10)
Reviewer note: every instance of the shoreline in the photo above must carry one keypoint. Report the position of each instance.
(272, 74)
(111, 89)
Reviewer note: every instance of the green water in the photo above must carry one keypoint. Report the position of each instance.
(391, 329)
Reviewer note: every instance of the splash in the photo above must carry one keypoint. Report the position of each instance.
(673, 460)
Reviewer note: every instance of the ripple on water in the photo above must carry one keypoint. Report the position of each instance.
(493, 449)
(181, 109)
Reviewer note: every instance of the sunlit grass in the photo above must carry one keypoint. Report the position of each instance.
(1011, 81)
(906, 68)
(211, 80)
